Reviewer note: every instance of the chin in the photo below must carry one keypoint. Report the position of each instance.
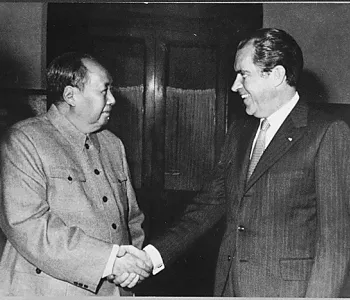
(104, 121)
(249, 112)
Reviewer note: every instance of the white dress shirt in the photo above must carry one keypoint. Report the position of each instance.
(276, 120)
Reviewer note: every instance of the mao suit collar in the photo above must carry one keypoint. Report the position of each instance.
(76, 138)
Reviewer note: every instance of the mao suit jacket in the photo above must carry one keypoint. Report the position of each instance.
(288, 228)
(65, 200)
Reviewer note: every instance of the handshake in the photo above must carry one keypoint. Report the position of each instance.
(131, 266)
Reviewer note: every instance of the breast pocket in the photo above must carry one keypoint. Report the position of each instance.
(66, 189)
(68, 174)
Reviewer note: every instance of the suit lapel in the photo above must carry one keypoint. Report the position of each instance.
(288, 134)
(246, 135)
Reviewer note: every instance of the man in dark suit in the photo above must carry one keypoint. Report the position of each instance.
(286, 209)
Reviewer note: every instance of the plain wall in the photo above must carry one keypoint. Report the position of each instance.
(22, 45)
(323, 32)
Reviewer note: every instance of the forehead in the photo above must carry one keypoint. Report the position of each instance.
(97, 74)
(244, 57)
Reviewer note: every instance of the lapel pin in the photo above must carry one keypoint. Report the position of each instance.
(290, 139)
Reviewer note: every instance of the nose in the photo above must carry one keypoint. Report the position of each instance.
(237, 84)
(110, 98)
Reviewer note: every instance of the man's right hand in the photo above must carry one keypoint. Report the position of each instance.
(131, 266)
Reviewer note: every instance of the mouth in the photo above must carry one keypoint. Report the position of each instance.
(107, 109)
(244, 96)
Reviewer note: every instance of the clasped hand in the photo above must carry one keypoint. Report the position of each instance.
(131, 266)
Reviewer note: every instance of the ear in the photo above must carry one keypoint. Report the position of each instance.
(278, 75)
(68, 95)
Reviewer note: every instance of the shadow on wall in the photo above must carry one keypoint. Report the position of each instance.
(15, 99)
(17, 105)
(312, 87)
(13, 74)
(315, 91)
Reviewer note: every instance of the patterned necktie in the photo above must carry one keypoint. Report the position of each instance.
(258, 148)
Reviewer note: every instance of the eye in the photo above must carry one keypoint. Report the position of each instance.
(104, 92)
(110, 88)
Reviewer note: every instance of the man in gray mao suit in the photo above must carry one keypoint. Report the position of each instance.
(66, 199)
(287, 217)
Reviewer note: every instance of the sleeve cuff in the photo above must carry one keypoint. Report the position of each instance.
(110, 263)
(156, 259)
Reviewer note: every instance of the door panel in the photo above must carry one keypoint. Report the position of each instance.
(189, 137)
(188, 66)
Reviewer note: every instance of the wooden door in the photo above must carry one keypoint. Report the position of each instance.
(170, 110)
(190, 106)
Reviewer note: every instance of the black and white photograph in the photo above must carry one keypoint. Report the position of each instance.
(174, 149)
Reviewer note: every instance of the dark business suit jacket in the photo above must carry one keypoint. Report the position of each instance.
(287, 228)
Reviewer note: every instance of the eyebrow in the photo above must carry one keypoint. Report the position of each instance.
(109, 82)
(110, 78)
(105, 86)
(242, 72)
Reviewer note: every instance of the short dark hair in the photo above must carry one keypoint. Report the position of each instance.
(66, 69)
(274, 47)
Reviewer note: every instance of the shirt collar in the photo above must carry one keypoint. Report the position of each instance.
(69, 131)
(92, 137)
(281, 114)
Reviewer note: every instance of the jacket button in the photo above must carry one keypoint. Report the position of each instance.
(114, 226)
(228, 257)
(38, 271)
(240, 228)
(96, 171)
(104, 199)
